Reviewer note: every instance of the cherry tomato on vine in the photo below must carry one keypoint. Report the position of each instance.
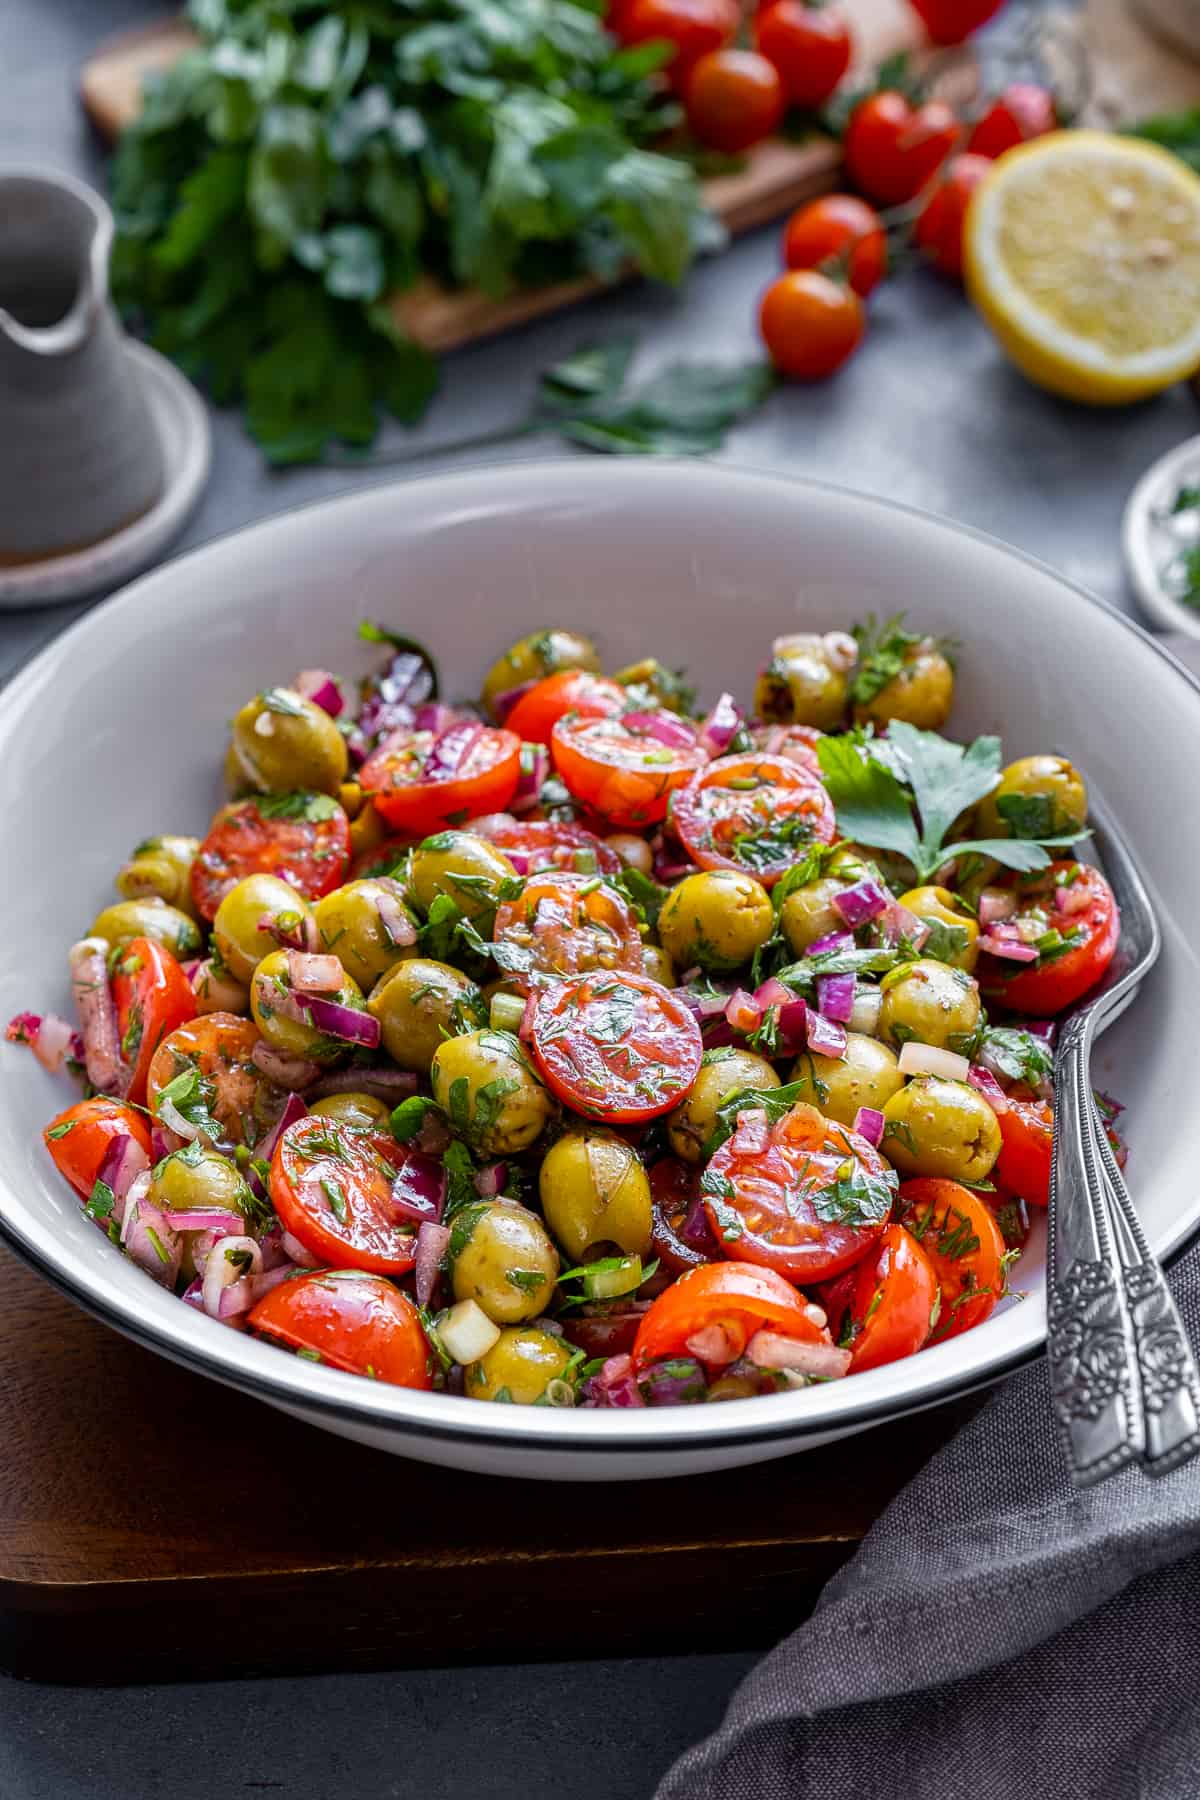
(810, 324)
(939, 228)
(1022, 111)
(694, 27)
(838, 234)
(893, 149)
(953, 21)
(811, 47)
(734, 99)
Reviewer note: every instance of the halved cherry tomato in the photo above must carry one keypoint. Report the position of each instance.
(1027, 1133)
(953, 21)
(734, 100)
(153, 996)
(302, 838)
(673, 1191)
(756, 813)
(567, 925)
(738, 1298)
(894, 1298)
(811, 47)
(576, 691)
(381, 860)
(694, 27)
(892, 149)
(350, 1320)
(423, 783)
(810, 324)
(622, 771)
(617, 1047)
(1047, 986)
(964, 1246)
(230, 1088)
(803, 1196)
(939, 227)
(838, 233)
(79, 1139)
(536, 844)
(331, 1186)
(1021, 112)
(797, 742)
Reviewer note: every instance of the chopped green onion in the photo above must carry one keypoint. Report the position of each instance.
(507, 1012)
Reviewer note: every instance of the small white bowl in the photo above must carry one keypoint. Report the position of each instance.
(1149, 541)
(117, 730)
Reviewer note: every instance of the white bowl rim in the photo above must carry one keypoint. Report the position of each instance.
(305, 1387)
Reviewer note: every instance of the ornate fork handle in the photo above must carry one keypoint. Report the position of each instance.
(1167, 1370)
(1090, 1338)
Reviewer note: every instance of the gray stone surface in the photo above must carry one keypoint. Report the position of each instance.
(927, 413)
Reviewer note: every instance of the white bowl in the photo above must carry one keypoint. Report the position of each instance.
(117, 731)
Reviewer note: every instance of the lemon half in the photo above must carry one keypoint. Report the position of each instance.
(1082, 252)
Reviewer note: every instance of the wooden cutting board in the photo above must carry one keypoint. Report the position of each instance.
(776, 178)
(154, 1525)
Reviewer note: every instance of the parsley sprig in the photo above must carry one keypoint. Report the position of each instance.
(908, 803)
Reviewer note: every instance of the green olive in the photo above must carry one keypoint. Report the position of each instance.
(837, 1086)
(353, 1108)
(489, 1092)
(921, 693)
(504, 1261)
(367, 925)
(270, 985)
(148, 918)
(1037, 796)
(691, 1125)
(421, 1004)
(242, 938)
(928, 1002)
(162, 867)
(237, 782)
(519, 1367)
(655, 683)
(809, 912)
(718, 919)
(936, 1127)
(284, 743)
(732, 1387)
(466, 868)
(803, 684)
(198, 1177)
(594, 1191)
(542, 653)
(658, 965)
(955, 927)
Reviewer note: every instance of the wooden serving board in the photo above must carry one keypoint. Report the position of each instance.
(776, 178)
(154, 1525)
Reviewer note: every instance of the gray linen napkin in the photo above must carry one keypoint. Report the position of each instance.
(999, 1636)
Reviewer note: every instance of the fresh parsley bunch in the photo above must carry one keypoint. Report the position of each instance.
(307, 161)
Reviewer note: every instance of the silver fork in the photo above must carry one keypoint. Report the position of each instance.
(1125, 1384)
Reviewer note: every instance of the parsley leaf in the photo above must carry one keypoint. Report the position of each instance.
(857, 1197)
(313, 807)
(1017, 1055)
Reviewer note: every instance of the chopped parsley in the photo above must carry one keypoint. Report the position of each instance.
(313, 807)
(856, 1196)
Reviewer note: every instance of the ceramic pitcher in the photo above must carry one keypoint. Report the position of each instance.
(79, 452)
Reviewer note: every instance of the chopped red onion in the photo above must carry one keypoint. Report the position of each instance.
(793, 1025)
(771, 1350)
(742, 1013)
(230, 1259)
(491, 1179)
(525, 1030)
(718, 1034)
(614, 1384)
(174, 1120)
(679, 1382)
(833, 940)
(309, 974)
(394, 916)
(163, 1142)
(826, 1037)
(450, 750)
(319, 686)
(433, 1241)
(270, 1278)
(293, 1109)
(668, 870)
(1074, 899)
(209, 1218)
(1043, 1028)
(835, 997)
(435, 716)
(434, 1134)
(996, 904)
(149, 1239)
(381, 1080)
(868, 1123)
(520, 861)
(123, 1161)
(52, 1042)
(713, 1346)
(192, 1295)
(503, 703)
(535, 771)
(702, 1006)
(106, 1069)
(932, 1059)
(752, 1133)
(290, 1072)
(1011, 948)
(772, 993)
(419, 1189)
(664, 727)
(300, 1253)
(900, 923)
(235, 1299)
(274, 1255)
(720, 727)
(345, 1023)
(989, 1087)
(861, 903)
(301, 937)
